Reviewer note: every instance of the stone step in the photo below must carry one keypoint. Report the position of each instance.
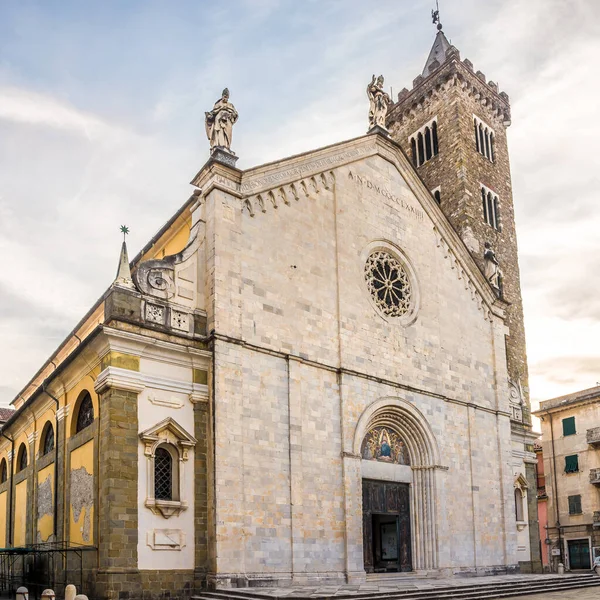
(482, 591)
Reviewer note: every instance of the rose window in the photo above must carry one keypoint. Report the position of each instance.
(388, 283)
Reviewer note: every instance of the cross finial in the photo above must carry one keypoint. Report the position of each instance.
(124, 231)
(435, 16)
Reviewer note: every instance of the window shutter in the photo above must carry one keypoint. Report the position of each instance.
(571, 464)
(575, 505)
(569, 426)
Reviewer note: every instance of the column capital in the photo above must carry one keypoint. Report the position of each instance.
(117, 378)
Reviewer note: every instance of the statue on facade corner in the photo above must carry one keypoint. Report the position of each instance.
(379, 101)
(492, 270)
(219, 123)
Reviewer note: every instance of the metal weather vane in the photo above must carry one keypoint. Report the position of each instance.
(124, 231)
(435, 16)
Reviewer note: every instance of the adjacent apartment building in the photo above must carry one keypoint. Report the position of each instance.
(571, 465)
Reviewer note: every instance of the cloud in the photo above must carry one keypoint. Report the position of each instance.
(30, 108)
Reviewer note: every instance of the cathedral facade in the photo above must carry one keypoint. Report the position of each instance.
(315, 371)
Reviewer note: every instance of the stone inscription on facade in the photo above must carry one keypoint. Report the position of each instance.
(361, 180)
(297, 172)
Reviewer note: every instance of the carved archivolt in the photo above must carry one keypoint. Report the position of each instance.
(285, 194)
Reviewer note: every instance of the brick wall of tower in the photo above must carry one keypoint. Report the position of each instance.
(454, 93)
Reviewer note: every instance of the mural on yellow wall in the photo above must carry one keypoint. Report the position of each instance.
(81, 530)
(45, 504)
(3, 497)
(20, 513)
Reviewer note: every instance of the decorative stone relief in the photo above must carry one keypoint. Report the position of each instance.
(304, 188)
(155, 313)
(180, 320)
(166, 539)
(516, 400)
(169, 402)
(156, 278)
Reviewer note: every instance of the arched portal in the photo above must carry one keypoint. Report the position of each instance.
(399, 458)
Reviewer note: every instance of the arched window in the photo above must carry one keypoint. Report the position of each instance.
(492, 149)
(163, 474)
(487, 143)
(85, 414)
(481, 140)
(428, 150)
(3, 471)
(413, 150)
(47, 444)
(438, 196)
(485, 209)
(519, 504)
(421, 149)
(424, 143)
(476, 136)
(22, 458)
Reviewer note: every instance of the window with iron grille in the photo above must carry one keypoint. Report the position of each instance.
(572, 464)
(85, 416)
(569, 426)
(163, 474)
(575, 505)
(48, 441)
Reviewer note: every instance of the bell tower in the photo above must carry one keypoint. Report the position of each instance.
(452, 125)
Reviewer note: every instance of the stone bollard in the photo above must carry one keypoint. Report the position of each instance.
(561, 569)
(70, 592)
(81, 597)
(22, 593)
(48, 595)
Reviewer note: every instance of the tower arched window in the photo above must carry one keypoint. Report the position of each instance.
(491, 208)
(85, 412)
(413, 151)
(484, 139)
(47, 444)
(421, 147)
(22, 458)
(428, 146)
(424, 143)
(3, 471)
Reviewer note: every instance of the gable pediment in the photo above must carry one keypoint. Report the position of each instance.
(285, 183)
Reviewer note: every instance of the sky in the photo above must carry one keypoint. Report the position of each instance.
(102, 124)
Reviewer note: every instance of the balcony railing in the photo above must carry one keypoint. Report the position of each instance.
(593, 437)
(595, 476)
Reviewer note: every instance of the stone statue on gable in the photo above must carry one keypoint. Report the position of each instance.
(379, 101)
(492, 270)
(219, 123)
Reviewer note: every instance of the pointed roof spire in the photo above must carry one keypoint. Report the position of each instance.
(123, 278)
(438, 53)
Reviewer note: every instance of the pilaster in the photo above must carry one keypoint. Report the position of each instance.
(118, 575)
